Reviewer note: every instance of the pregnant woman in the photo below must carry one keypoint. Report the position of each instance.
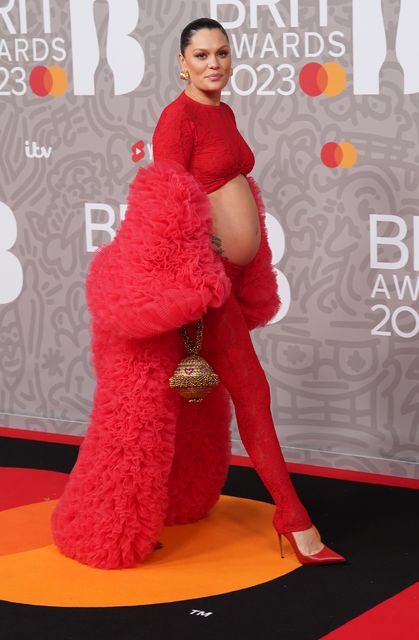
(192, 245)
(199, 131)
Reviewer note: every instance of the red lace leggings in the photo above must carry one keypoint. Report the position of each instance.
(227, 346)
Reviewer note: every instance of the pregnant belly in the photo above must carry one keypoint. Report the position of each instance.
(235, 221)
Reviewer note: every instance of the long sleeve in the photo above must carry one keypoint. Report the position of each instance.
(173, 137)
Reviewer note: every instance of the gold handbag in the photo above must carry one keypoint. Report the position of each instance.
(193, 378)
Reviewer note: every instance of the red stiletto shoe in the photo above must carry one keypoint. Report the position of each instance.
(325, 556)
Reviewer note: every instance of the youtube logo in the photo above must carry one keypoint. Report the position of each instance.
(137, 150)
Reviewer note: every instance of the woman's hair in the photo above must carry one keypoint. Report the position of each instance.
(194, 26)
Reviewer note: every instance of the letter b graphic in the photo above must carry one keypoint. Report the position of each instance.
(11, 281)
(124, 54)
(370, 45)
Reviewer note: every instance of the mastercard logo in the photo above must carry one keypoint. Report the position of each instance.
(341, 155)
(328, 78)
(48, 81)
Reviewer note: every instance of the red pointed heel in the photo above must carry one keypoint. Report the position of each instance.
(325, 556)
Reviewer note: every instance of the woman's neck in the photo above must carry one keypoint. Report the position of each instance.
(203, 96)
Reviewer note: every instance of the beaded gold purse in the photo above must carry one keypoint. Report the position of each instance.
(193, 378)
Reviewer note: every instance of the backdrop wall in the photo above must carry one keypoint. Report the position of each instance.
(326, 94)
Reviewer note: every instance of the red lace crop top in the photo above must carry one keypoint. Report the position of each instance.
(204, 139)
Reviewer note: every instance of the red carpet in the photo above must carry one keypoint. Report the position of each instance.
(26, 486)
(397, 617)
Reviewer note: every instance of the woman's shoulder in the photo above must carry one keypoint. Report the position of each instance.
(229, 110)
(174, 133)
(176, 109)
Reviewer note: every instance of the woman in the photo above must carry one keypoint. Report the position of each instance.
(199, 132)
(190, 246)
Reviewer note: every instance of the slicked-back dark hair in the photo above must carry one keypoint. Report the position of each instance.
(194, 26)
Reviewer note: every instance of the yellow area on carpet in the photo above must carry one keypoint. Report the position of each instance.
(234, 547)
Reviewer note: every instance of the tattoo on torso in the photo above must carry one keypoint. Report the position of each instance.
(216, 242)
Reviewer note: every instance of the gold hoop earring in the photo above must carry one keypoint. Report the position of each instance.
(184, 75)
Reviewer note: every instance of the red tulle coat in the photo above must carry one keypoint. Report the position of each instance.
(149, 457)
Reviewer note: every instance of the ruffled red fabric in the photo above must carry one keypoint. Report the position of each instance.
(160, 271)
(149, 458)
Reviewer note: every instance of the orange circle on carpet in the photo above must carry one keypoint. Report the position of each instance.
(234, 547)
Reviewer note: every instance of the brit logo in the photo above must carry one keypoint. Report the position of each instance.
(22, 54)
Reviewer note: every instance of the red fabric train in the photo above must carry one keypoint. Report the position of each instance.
(149, 457)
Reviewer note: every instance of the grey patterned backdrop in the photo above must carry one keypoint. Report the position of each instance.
(342, 357)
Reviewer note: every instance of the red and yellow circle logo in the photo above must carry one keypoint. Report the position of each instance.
(48, 81)
(341, 155)
(328, 78)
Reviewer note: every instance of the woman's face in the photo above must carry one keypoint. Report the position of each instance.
(207, 54)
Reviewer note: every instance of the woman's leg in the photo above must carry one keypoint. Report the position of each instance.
(228, 348)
